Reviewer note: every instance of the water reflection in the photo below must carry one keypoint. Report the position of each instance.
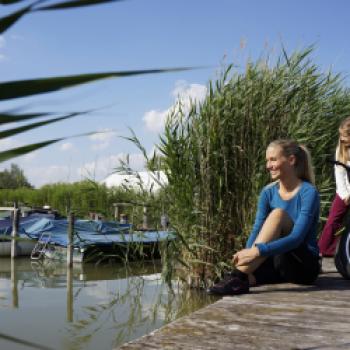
(88, 306)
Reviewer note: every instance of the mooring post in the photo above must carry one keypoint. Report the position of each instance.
(116, 211)
(14, 283)
(70, 294)
(14, 234)
(70, 239)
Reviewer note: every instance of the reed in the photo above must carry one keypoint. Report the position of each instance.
(85, 197)
(214, 155)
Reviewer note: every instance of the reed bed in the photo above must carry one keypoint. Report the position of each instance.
(214, 155)
(87, 197)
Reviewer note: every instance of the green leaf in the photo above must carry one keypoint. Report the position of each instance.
(9, 2)
(7, 21)
(12, 118)
(20, 151)
(22, 88)
(75, 3)
(15, 131)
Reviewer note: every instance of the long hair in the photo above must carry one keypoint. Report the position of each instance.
(342, 153)
(303, 163)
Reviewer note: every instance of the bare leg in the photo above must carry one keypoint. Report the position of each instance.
(277, 224)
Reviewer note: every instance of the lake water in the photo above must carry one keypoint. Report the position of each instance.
(44, 306)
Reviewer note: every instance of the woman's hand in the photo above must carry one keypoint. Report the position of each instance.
(346, 200)
(245, 256)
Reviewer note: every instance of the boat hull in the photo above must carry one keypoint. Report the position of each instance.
(24, 248)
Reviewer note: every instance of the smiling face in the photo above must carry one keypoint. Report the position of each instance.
(279, 165)
(344, 138)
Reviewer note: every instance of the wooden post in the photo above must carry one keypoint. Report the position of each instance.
(116, 212)
(145, 219)
(14, 234)
(69, 294)
(70, 239)
(14, 283)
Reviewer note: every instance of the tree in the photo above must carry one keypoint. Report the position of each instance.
(13, 178)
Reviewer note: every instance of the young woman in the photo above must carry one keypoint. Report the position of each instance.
(341, 201)
(282, 245)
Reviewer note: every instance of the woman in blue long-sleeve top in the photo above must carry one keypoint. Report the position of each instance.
(282, 245)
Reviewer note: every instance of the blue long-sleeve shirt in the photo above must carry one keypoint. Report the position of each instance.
(303, 208)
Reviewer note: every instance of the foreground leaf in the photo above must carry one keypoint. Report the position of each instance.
(7, 21)
(9, 2)
(23, 88)
(13, 118)
(20, 151)
(75, 3)
(15, 131)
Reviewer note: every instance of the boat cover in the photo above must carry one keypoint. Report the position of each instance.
(24, 223)
(87, 233)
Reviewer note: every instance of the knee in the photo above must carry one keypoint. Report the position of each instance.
(281, 218)
(278, 213)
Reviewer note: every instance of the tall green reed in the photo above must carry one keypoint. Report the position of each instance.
(214, 154)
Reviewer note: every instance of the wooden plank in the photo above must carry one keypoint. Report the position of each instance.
(6, 208)
(281, 316)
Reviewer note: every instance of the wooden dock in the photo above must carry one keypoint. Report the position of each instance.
(281, 316)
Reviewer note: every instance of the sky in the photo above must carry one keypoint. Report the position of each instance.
(140, 34)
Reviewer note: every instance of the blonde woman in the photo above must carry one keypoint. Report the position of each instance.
(282, 245)
(341, 202)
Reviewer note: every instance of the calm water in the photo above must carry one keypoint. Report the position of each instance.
(93, 307)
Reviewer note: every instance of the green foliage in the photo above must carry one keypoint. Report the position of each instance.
(13, 178)
(87, 197)
(214, 155)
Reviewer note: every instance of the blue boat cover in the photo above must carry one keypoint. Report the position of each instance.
(87, 233)
(24, 223)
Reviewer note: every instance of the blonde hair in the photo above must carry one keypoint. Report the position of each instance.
(303, 164)
(342, 153)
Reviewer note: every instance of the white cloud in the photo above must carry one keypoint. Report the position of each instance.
(183, 93)
(155, 120)
(102, 139)
(39, 176)
(189, 92)
(8, 143)
(104, 166)
(67, 146)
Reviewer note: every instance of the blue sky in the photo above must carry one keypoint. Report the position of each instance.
(140, 34)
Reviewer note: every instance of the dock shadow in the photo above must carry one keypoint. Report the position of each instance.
(323, 283)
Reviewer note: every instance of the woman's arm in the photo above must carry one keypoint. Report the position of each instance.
(263, 210)
(342, 182)
(307, 217)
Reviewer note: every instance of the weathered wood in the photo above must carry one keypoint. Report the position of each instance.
(281, 316)
(14, 283)
(14, 233)
(6, 208)
(70, 300)
(70, 239)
